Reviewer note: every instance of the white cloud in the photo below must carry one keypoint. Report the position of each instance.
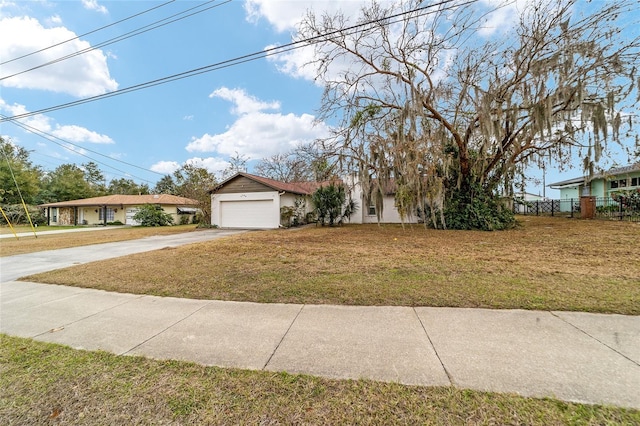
(298, 63)
(503, 15)
(244, 103)
(75, 133)
(70, 132)
(39, 121)
(295, 63)
(165, 167)
(212, 164)
(54, 20)
(259, 135)
(93, 5)
(256, 133)
(83, 75)
(285, 15)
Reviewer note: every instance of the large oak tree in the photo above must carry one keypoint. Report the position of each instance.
(449, 112)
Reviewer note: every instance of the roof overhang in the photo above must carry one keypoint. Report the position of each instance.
(187, 210)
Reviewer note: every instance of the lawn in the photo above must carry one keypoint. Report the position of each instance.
(50, 384)
(546, 263)
(31, 243)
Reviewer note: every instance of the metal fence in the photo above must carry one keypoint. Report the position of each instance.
(605, 208)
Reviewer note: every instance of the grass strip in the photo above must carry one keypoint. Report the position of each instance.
(46, 383)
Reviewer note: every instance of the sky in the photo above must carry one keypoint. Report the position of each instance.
(255, 109)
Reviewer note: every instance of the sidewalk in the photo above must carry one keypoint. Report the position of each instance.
(572, 356)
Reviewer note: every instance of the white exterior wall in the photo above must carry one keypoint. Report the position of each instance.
(272, 216)
(289, 200)
(389, 213)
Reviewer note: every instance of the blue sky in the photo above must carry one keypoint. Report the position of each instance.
(252, 109)
(256, 109)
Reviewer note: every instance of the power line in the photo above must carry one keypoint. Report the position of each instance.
(238, 60)
(51, 138)
(60, 161)
(87, 33)
(154, 25)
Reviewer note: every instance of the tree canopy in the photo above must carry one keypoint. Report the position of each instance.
(307, 162)
(192, 181)
(449, 114)
(15, 163)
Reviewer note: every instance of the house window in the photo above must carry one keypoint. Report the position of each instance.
(622, 183)
(110, 215)
(635, 181)
(54, 214)
(372, 211)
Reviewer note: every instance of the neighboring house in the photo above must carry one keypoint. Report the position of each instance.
(117, 208)
(601, 185)
(249, 201)
(524, 199)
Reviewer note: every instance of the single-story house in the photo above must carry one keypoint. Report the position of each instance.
(249, 201)
(524, 198)
(601, 185)
(117, 208)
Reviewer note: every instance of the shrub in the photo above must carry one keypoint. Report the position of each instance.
(628, 199)
(477, 209)
(331, 204)
(152, 215)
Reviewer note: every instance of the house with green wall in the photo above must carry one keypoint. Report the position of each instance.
(601, 185)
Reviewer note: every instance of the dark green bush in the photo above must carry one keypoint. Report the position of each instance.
(152, 215)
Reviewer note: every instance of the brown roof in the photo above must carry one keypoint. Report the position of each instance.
(300, 188)
(125, 200)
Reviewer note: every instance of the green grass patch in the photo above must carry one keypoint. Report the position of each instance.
(51, 384)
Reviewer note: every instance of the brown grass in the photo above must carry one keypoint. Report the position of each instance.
(50, 384)
(547, 263)
(30, 243)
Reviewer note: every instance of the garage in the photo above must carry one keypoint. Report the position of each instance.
(247, 214)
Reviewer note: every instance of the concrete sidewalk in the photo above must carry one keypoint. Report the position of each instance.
(571, 356)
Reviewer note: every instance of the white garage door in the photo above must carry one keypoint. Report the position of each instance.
(129, 217)
(247, 214)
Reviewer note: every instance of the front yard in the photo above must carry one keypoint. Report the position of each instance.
(547, 263)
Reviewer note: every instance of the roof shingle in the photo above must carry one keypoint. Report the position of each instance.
(125, 200)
